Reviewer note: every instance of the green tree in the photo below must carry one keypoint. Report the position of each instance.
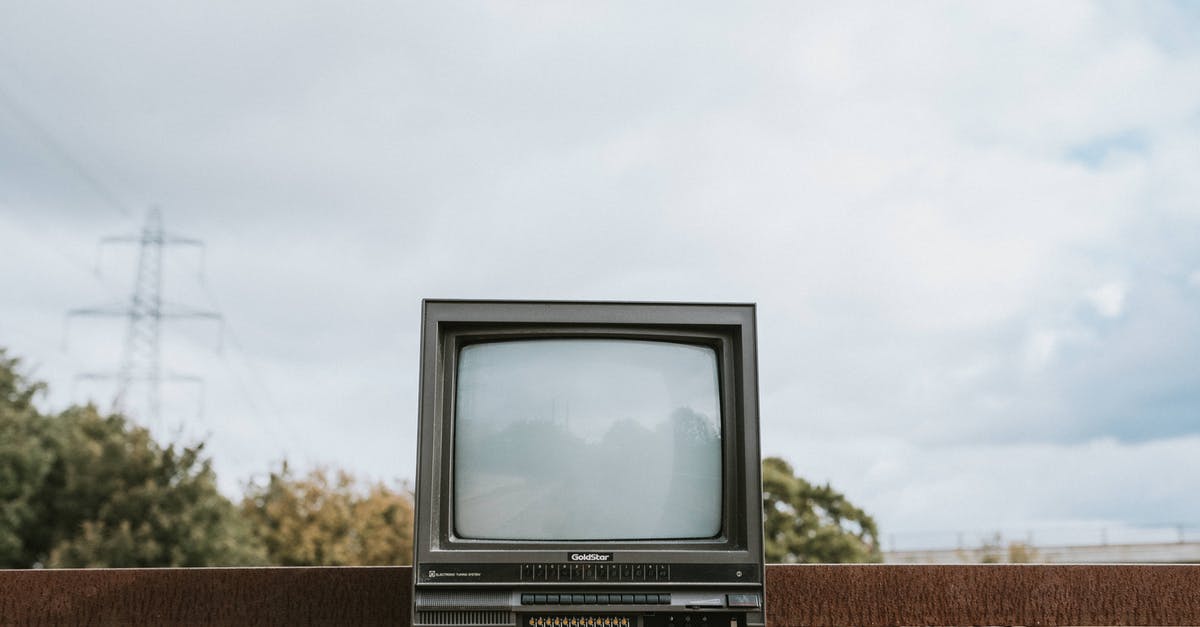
(24, 463)
(329, 519)
(804, 523)
(994, 551)
(81, 489)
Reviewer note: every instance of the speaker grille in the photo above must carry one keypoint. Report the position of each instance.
(465, 618)
(462, 600)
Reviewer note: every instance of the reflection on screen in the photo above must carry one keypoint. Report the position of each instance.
(587, 439)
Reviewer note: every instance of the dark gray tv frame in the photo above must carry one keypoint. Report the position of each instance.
(447, 325)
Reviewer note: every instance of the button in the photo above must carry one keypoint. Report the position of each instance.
(651, 572)
(664, 572)
(551, 572)
(626, 571)
(526, 599)
(527, 572)
(639, 572)
(602, 599)
(564, 572)
(551, 599)
(664, 599)
(576, 572)
(601, 572)
(539, 599)
(743, 600)
(576, 599)
(627, 598)
(539, 572)
(589, 572)
(589, 599)
(639, 599)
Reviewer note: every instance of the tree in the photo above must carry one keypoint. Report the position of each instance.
(803, 523)
(81, 489)
(324, 520)
(24, 463)
(993, 551)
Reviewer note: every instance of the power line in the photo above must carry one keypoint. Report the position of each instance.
(139, 363)
(140, 357)
(59, 150)
(273, 412)
(145, 311)
(60, 251)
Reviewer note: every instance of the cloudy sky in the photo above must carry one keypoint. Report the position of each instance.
(972, 230)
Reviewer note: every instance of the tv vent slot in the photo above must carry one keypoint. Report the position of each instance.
(464, 618)
(463, 600)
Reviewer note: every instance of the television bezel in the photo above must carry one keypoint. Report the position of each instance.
(449, 325)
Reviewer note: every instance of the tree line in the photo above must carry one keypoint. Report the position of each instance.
(82, 488)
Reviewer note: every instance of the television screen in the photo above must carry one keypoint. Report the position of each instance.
(587, 439)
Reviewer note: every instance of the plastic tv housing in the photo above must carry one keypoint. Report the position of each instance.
(588, 464)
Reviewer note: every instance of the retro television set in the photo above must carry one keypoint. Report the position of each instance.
(588, 464)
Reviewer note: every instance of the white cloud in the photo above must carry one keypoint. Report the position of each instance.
(913, 489)
(1109, 299)
(1041, 349)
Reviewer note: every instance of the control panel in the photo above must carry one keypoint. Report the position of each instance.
(582, 607)
(595, 572)
(596, 599)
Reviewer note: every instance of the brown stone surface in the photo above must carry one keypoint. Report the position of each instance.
(1009, 594)
(817, 596)
(206, 596)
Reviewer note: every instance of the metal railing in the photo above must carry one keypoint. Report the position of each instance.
(881, 595)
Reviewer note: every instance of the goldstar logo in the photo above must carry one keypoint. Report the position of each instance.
(591, 557)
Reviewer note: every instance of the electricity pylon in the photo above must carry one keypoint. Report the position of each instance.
(145, 311)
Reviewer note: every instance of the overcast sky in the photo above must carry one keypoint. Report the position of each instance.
(972, 230)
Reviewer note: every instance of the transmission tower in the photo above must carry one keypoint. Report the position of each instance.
(142, 351)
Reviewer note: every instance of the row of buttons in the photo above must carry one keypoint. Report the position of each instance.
(595, 599)
(579, 621)
(595, 572)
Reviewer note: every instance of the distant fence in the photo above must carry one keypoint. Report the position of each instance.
(1043, 536)
(1168, 553)
(816, 596)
